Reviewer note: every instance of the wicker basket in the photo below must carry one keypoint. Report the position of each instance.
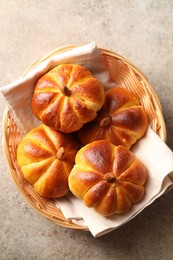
(123, 73)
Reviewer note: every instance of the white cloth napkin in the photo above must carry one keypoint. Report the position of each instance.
(158, 159)
(151, 150)
(18, 95)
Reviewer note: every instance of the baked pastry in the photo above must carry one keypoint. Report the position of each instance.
(122, 120)
(46, 158)
(108, 178)
(67, 97)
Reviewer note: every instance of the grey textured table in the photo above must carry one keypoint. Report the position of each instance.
(141, 31)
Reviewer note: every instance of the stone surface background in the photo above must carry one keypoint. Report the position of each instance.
(141, 31)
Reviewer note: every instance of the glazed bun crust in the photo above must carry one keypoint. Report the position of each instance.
(67, 97)
(46, 158)
(108, 178)
(122, 120)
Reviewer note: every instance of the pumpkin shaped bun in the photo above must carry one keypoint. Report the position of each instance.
(108, 178)
(67, 97)
(122, 120)
(46, 158)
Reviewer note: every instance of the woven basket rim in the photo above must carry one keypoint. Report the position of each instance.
(157, 104)
(60, 220)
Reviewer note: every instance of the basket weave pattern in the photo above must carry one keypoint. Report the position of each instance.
(123, 73)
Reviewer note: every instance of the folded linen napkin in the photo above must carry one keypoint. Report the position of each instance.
(154, 153)
(18, 95)
(158, 159)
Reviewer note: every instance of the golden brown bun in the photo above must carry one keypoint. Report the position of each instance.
(46, 158)
(67, 97)
(107, 177)
(122, 120)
